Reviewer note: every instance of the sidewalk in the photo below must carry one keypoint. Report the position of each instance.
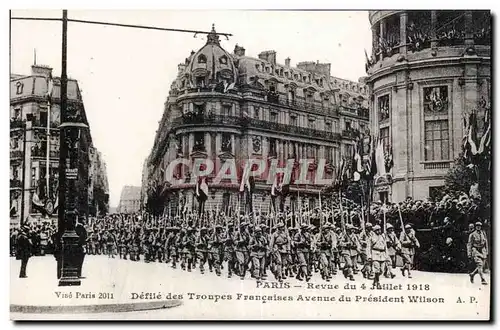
(127, 280)
(106, 287)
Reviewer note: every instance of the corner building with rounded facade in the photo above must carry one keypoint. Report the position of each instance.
(427, 71)
(226, 106)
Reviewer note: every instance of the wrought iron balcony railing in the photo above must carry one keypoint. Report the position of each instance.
(16, 154)
(255, 123)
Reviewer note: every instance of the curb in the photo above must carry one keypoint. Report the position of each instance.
(90, 309)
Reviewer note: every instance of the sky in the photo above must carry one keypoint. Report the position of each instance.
(125, 74)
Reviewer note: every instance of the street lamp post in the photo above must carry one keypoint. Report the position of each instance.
(69, 133)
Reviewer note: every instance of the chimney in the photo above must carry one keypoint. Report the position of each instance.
(269, 56)
(287, 62)
(41, 70)
(239, 51)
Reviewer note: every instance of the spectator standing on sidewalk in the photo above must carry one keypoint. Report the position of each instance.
(24, 247)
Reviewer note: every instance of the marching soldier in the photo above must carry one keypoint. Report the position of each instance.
(376, 249)
(302, 242)
(258, 247)
(217, 248)
(335, 260)
(229, 250)
(364, 237)
(243, 239)
(278, 246)
(188, 244)
(324, 244)
(408, 245)
(349, 245)
(393, 247)
(202, 248)
(477, 250)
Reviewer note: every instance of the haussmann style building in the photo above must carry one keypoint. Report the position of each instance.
(34, 150)
(427, 71)
(232, 106)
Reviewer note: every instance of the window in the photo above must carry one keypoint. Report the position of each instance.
(383, 107)
(435, 100)
(199, 141)
(17, 114)
(384, 136)
(226, 143)
(436, 140)
(274, 117)
(348, 125)
(43, 118)
(226, 197)
(199, 109)
(349, 151)
(256, 113)
(202, 59)
(335, 126)
(328, 154)
(223, 59)
(226, 110)
(272, 147)
(328, 126)
(293, 120)
(362, 128)
(312, 123)
(200, 81)
(272, 88)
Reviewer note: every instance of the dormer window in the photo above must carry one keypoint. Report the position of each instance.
(223, 59)
(200, 81)
(296, 76)
(257, 66)
(202, 59)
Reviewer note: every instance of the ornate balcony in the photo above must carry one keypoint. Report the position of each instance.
(350, 133)
(43, 153)
(16, 154)
(253, 123)
(302, 104)
(15, 123)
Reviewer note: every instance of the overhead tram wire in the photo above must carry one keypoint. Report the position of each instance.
(146, 27)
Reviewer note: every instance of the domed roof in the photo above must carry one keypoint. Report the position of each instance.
(212, 61)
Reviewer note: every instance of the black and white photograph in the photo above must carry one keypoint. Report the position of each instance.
(250, 164)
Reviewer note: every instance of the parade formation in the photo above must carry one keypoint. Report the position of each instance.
(327, 243)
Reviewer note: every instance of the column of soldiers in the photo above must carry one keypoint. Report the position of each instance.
(256, 249)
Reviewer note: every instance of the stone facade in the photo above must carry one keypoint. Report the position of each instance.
(130, 200)
(32, 116)
(231, 106)
(427, 71)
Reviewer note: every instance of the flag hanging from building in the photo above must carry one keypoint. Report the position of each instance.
(202, 189)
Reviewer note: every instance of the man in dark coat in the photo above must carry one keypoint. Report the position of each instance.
(80, 255)
(56, 238)
(24, 248)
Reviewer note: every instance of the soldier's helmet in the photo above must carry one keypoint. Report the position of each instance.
(389, 226)
(478, 224)
(218, 227)
(304, 226)
(257, 229)
(376, 227)
(280, 225)
(408, 226)
(368, 225)
(203, 229)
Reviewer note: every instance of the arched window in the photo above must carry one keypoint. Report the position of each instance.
(202, 59)
(223, 59)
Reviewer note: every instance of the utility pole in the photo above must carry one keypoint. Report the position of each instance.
(70, 133)
(23, 185)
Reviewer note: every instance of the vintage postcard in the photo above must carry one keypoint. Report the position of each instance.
(250, 165)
